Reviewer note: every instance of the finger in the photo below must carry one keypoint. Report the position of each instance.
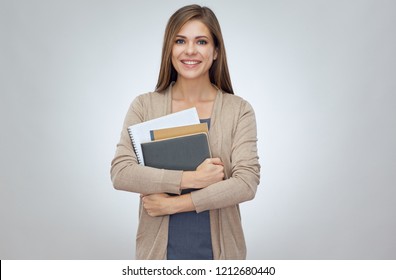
(217, 161)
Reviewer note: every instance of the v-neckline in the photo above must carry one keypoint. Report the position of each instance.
(214, 108)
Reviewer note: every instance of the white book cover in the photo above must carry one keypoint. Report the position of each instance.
(140, 132)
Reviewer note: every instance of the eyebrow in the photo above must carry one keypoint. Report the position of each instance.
(198, 37)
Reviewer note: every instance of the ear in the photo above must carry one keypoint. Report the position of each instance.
(215, 54)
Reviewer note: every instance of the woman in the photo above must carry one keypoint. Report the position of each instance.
(204, 223)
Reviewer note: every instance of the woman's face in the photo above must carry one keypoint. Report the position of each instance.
(193, 51)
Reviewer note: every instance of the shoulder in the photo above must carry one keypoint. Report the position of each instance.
(233, 99)
(148, 98)
(150, 105)
(234, 103)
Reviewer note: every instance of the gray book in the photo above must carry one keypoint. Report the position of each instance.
(185, 152)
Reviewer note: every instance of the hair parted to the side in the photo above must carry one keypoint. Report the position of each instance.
(218, 73)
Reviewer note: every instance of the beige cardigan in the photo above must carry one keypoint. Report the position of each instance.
(232, 137)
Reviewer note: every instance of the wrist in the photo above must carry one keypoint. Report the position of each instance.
(172, 200)
(188, 180)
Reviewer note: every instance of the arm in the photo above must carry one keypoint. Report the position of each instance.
(128, 175)
(244, 168)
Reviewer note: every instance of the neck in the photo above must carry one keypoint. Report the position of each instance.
(193, 90)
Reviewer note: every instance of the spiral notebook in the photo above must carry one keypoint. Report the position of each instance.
(140, 132)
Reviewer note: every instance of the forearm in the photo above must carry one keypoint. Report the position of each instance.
(128, 175)
(182, 203)
(226, 193)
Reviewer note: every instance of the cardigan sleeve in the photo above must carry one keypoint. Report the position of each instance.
(127, 174)
(245, 168)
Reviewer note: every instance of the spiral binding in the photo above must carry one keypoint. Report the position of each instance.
(138, 156)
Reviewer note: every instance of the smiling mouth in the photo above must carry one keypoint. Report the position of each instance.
(190, 62)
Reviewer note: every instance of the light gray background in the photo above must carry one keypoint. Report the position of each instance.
(321, 76)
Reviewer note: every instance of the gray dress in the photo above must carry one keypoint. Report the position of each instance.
(189, 234)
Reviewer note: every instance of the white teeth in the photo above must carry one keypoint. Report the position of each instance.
(190, 62)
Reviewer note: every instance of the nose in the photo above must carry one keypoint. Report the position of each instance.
(190, 48)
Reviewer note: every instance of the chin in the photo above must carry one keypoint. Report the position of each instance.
(189, 77)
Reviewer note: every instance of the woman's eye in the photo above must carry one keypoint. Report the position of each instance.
(202, 42)
(179, 41)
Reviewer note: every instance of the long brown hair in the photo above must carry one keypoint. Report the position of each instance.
(218, 72)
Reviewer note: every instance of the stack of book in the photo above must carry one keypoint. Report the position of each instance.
(177, 141)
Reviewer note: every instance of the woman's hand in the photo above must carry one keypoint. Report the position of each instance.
(161, 204)
(157, 204)
(210, 171)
